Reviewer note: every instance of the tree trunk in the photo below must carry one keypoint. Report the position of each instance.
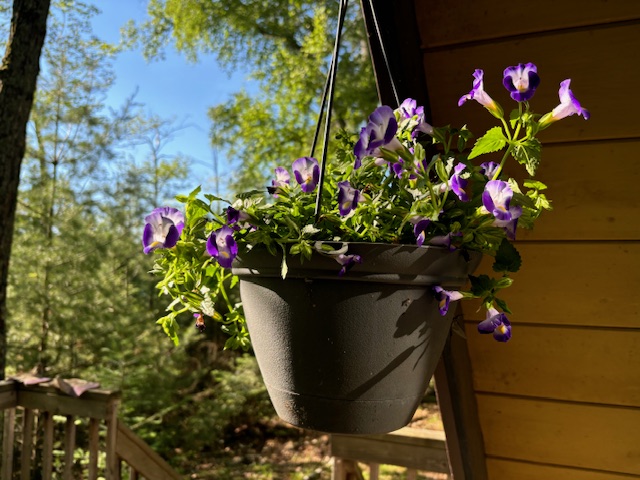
(18, 75)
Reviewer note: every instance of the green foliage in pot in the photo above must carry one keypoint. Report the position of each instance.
(399, 181)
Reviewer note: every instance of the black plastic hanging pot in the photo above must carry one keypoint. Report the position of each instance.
(351, 354)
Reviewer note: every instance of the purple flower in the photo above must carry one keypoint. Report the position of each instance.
(282, 179)
(521, 81)
(445, 297)
(222, 246)
(398, 168)
(347, 261)
(444, 240)
(496, 323)
(509, 227)
(409, 109)
(478, 94)
(489, 169)
(163, 228)
(379, 132)
(348, 198)
(237, 219)
(420, 225)
(496, 198)
(307, 173)
(459, 184)
(569, 105)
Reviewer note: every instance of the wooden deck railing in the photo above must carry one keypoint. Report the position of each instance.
(413, 448)
(31, 415)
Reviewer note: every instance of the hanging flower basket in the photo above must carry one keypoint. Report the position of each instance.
(347, 334)
(354, 353)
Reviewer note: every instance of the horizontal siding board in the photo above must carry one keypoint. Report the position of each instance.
(501, 469)
(574, 364)
(479, 21)
(593, 188)
(572, 283)
(564, 434)
(594, 70)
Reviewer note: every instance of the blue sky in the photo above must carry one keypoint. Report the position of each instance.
(170, 88)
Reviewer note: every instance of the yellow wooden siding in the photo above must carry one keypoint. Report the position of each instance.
(500, 469)
(573, 283)
(602, 80)
(564, 363)
(471, 21)
(561, 433)
(592, 187)
(561, 400)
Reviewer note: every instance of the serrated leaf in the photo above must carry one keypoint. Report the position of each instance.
(528, 154)
(215, 198)
(507, 258)
(530, 183)
(252, 193)
(492, 141)
(502, 305)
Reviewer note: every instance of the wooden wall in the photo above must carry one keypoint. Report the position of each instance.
(561, 400)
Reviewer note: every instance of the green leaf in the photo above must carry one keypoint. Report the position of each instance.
(502, 305)
(481, 284)
(170, 327)
(441, 171)
(249, 194)
(507, 258)
(530, 183)
(492, 141)
(528, 154)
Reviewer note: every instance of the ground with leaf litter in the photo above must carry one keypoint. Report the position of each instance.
(274, 450)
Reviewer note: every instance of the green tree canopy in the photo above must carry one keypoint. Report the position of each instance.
(285, 45)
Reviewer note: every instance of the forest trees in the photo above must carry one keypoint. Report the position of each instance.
(80, 301)
(18, 76)
(286, 46)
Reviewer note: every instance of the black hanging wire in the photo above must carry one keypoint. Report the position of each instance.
(327, 100)
(384, 52)
(322, 105)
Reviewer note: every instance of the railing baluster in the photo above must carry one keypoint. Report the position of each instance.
(27, 444)
(69, 447)
(94, 443)
(47, 446)
(38, 404)
(133, 474)
(7, 443)
(374, 471)
(113, 462)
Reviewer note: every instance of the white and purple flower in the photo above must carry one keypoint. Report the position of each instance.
(420, 225)
(459, 184)
(307, 173)
(237, 219)
(409, 109)
(496, 323)
(282, 179)
(379, 132)
(222, 246)
(347, 262)
(569, 105)
(478, 94)
(489, 169)
(163, 228)
(444, 298)
(348, 198)
(496, 200)
(521, 81)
